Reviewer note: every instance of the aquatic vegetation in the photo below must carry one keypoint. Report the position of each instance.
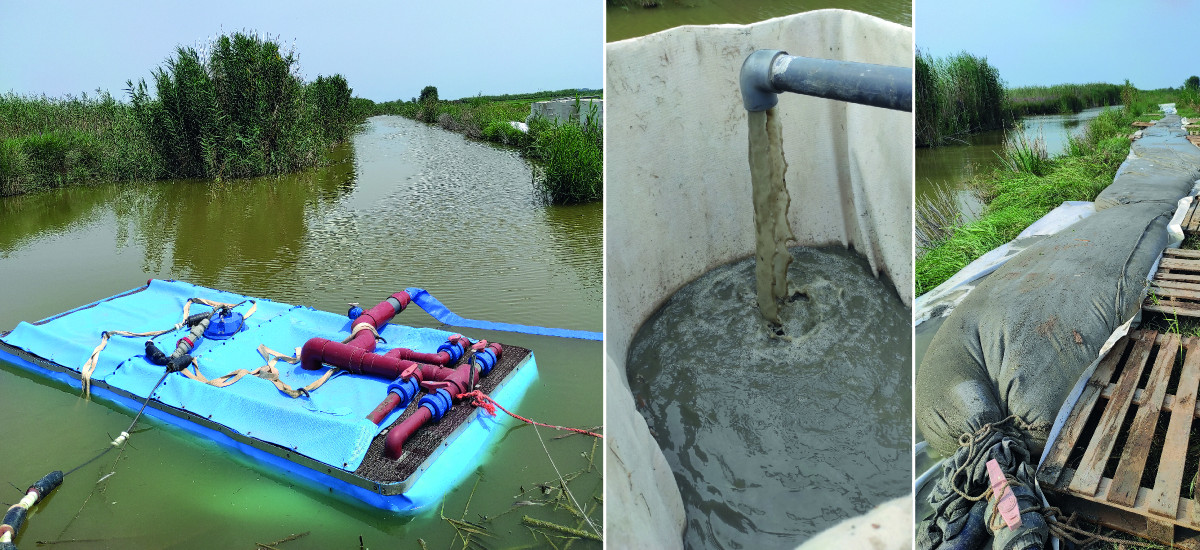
(240, 110)
(1025, 154)
(571, 155)
(955, 96)
(48, 142)
(1062, 98)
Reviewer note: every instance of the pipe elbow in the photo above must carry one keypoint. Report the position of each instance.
(758, 93)
(312, 354)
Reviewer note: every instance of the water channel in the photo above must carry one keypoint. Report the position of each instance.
(628, 19)
(405, 204)
(951, 166)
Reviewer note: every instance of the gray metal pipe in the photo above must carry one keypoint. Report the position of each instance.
(767, 73)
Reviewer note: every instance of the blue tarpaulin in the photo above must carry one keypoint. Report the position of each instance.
(329, 426)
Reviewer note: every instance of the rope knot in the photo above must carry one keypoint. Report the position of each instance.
(480, 399)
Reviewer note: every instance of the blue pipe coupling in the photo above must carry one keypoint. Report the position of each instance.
(405, 388)
(455, 350)
(438, 403)
(485, 359)
(767, 73)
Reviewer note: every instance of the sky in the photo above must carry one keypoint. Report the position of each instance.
(1066, 41)
(386, 50)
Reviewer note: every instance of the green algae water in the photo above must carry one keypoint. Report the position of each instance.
(776, 434)
(404, 205)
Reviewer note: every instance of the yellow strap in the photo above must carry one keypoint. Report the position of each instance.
(89, 368)
(266, 372)
(361, 327)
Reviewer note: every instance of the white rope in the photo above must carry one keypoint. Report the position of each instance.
(120, 439)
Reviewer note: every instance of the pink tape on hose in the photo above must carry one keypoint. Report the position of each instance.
(1007, 501)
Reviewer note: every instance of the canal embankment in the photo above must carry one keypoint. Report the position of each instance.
(567, 153)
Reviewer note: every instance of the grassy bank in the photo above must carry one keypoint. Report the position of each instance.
(1029, 185)
(568, 156)
(240, 110)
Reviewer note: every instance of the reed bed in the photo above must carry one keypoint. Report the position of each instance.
(1062, 98)
(956, 96)
(236, 109)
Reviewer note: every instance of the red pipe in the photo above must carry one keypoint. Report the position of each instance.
(439, 358)
(398, 435)
(458, 381)
(317, 351)
(356, 356)
(385, 408)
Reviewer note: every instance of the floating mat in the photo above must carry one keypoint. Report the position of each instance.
(329, 426)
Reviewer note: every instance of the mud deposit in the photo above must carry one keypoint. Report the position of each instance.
(773, 437)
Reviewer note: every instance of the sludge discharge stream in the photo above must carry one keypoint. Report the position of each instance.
(782, 408)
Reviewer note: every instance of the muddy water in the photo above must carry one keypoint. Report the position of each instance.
(627, 18)
(775, 437)
(404, 205)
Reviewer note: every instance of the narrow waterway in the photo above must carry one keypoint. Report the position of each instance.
(629, 19)
(404, 205)
(951, 166)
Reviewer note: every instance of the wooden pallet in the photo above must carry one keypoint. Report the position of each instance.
(1175, 288)
(1126, 426)
(1191, 220)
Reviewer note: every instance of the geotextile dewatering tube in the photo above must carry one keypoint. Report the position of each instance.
(15, 517)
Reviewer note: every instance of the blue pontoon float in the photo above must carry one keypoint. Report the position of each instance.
(307, 414)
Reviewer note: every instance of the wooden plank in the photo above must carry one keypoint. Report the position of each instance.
(1169, 292)
(1178, 263)
(1091, 468)
(1173, 307)
(1168, 276)
(1116, 518)
(1164, 496)
(1138, 396)
(1191, 213)
(1181, 285)
(1128, 476)
(1182, 252)
(1056, 460)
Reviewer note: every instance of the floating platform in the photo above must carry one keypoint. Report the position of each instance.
(1175, 287)
(1122, 458)
(322, 438)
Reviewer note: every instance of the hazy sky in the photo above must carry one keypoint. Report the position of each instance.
(386, 50)
(1066, 41)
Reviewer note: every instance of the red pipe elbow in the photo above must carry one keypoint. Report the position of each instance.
(397, 436)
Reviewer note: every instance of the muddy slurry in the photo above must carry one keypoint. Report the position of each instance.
(776, 433)
(771, 202)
